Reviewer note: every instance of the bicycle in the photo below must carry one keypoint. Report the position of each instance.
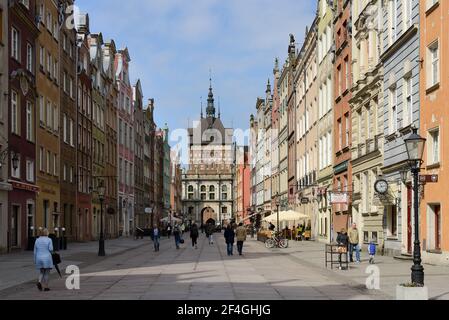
(277, 241)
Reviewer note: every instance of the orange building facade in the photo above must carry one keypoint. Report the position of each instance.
(434, 54)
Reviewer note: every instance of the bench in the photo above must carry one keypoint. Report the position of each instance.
(333, 257)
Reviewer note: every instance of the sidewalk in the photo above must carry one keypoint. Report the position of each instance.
(392, 271)
(18, 268)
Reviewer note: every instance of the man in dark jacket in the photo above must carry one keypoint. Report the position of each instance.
(230, 239)
(194, 234)
(343, 242)
(210, 229)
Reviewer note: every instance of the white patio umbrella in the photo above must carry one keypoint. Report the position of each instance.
(287, 216)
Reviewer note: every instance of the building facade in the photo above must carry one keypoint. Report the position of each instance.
(49, 101)
(110, 208)
(149, 159)
(326, 58)
(268, 107)
(342, 141)
(275, 177)
(166, 181)
(139, 209)
(98, 128)
(291, 123)
(208, 182)
(434, 226)
(306, 86)
(68, 120)
(282, 195)
(242, 181)
(5, 187)
(79, 228)
(367, 117)
(125, 143)
(401, 112)
(23, 33)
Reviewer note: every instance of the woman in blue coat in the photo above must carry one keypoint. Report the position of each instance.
(230, 239)
(43, 260)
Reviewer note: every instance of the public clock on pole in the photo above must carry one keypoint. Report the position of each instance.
(381, 186)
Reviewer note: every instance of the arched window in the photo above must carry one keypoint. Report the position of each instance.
(203, 192)
(224, 192)
(190, 192)
(212, 193)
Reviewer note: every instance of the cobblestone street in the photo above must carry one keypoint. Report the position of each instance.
(133, 271)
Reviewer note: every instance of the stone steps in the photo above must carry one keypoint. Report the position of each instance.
(404, 256)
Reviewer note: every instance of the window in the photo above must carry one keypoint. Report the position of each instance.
(339, 80)
(393, 110)
(408, 13)
(30, 171)
(347, 74)
(55, 165)
(42, 57)
(434, 59)
(48, 159)
(41, 159)
(41, 111)
(408, 112)
(15, 113)
(56, 71)
(340, 135)
(29, 122)
(29, 58)
(64, 81)
(15, 52)
(71, 133)
(434, 147)
(15, 173)
(347, 126)
(26, 3)
(55, 118)
(64, 128)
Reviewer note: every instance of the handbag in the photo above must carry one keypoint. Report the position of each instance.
(342, 250)
(181, 241)
(56, 257)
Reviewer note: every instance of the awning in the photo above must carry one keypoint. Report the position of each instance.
(287, 216)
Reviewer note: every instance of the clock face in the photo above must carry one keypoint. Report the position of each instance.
(381, 186)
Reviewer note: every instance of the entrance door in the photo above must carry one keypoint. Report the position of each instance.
(15, 226)
(437, 210)
(409, 219)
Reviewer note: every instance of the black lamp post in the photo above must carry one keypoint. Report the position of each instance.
(415, 149)
(101, 194)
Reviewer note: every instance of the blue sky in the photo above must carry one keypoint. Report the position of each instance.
(174, 43)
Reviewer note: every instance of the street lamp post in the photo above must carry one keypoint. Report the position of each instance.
(101, 194)
(415, 149)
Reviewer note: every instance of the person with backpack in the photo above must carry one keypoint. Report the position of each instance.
(194, 234)
(177, 235)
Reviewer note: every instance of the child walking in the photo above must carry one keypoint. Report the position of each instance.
(372, 251)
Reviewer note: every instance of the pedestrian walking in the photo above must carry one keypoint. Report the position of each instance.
(342, 241)
(354, 243)
(210, 229)
(372, 251)
(229, 235)
(169, 230)
(194, 234)
(43, 260)
(156, 236)
(241, 238)
(177, 235)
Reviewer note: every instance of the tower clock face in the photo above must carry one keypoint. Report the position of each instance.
(381, 186)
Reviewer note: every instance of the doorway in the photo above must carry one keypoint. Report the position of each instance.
(15, 216)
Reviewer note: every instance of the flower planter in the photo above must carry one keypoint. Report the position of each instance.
(412, 293)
